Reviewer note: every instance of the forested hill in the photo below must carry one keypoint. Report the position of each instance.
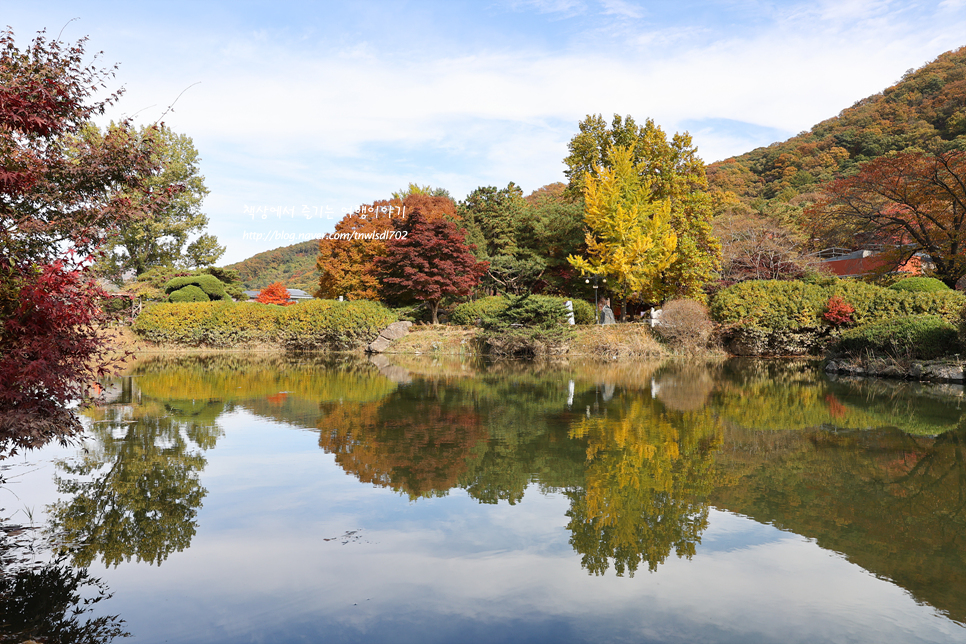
(926, 109)
(294, 266)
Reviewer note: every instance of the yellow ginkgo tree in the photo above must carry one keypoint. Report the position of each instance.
(630, 238)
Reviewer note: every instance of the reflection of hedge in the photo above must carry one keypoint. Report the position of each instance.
(794, 306)
(211, 285)
(470, 313)
(316, 324)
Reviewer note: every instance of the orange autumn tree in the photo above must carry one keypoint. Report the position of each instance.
(913, 201)
(346, 258)
(274, 294)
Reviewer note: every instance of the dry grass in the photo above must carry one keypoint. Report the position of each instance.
(438, 339)
(614, 341)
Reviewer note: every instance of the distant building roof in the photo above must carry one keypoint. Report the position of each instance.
(863, 262)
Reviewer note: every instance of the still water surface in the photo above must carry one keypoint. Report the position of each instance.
(224, 499)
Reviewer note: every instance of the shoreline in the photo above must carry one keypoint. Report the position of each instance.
(600, 343)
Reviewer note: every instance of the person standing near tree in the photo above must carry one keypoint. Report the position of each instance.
(606, 313)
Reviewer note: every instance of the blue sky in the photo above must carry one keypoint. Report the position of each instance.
(317, 107)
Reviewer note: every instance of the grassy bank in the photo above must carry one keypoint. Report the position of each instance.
(598, 342)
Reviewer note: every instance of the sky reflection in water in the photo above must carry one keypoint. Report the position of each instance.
(260, 535)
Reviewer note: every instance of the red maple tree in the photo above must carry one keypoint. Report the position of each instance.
(430, 261)
(61, 194)
(275, 293)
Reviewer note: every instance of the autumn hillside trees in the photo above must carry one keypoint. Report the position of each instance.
(913, 202)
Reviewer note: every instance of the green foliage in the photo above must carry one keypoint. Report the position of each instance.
(161, 239)
(472, 313)
(535, 311)
(498, 222)
(189, 293)
(919, 285)
(306, 326)
(413, 313)
(329, 324)
(477, 311)
(151, 285)
(293, 266)
(916, 336)
(794, 306)
(211, 285)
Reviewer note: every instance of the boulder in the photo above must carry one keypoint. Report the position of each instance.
(388, 335)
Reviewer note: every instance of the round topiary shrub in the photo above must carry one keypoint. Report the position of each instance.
(189, 293)
(919, 285)
(470, 313)
(211, 285)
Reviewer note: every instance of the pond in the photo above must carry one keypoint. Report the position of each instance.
(237, 499)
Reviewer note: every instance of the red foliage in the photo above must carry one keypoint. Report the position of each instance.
(274, 294)
(838, 311)
(50, 350)
(912, 200)
(63, 187)
(431, 261)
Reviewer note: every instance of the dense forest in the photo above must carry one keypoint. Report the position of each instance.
(292, 265)
(926, 109)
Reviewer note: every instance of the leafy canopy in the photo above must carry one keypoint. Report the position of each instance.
(162, 240)
(629, 237)
(430, 262)
(61, 195)
(671, 170)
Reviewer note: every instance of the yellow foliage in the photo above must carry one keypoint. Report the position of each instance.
(629, 237)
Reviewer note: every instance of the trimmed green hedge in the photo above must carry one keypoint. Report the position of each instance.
(796, 306)
(210, 284)
(312, 325)
(922, 337)
(472, 313)
(919, 285)
(189, 293)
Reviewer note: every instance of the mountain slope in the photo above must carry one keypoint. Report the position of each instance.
(926, 109)
(293, 266)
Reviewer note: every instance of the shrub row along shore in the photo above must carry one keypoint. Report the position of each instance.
(860, 327)
(535, 326)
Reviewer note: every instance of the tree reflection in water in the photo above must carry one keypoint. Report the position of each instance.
(44, 600)
(649, 473)
(135, 490)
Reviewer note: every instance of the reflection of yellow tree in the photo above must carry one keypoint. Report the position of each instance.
(136, 491)
(648, 474)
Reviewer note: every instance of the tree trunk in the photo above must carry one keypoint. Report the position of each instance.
(434, 307)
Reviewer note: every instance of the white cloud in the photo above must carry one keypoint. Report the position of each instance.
(350, 119)
(622, 8)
